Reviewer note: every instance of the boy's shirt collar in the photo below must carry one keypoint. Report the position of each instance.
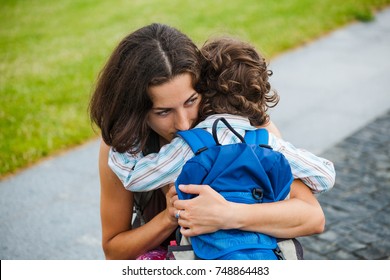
(237, 122)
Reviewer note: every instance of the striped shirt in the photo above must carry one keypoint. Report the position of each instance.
(144, 173)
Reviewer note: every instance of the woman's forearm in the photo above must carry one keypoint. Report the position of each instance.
(284, 219)
(209, 211)
(119, 241)
(298, 216)
(132, 243)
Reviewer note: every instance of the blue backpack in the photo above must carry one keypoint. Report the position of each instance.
(247, 172)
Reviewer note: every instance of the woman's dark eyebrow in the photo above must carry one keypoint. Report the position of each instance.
(160, 108)
(192, 96)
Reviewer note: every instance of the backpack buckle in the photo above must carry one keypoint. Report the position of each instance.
(201, 150)
(258, 194)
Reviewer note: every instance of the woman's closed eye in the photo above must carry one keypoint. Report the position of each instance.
(192, 101)
(162, 113)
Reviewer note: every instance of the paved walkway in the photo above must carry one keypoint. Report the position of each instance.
(335, 101)
(357, 210)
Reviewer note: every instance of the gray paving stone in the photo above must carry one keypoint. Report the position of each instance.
(344, 255)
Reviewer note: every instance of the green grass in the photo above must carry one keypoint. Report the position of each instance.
(52, 51)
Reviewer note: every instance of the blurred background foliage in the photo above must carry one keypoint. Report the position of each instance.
(52, 51)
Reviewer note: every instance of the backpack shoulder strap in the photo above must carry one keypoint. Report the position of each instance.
(141, 201)
(258, 136)
(198, 139)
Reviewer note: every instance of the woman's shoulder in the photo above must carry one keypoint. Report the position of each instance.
(109, 181)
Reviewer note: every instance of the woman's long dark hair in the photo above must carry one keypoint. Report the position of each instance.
(150, 56)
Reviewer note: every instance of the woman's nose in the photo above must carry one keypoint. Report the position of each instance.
(182, 121)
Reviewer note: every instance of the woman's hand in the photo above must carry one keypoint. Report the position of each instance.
(271, 127)
(171, 197)
(206, 213)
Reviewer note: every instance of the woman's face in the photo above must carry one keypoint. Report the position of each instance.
(175, 107)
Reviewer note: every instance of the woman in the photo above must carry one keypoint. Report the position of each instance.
(148, 88)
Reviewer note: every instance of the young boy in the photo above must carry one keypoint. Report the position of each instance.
(234, 85)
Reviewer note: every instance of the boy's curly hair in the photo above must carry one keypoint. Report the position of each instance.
(234, 80)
